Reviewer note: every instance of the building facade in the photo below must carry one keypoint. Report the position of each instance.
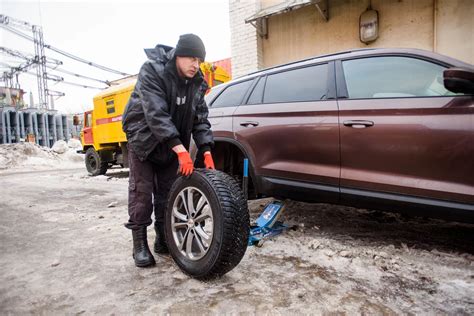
(266, 33)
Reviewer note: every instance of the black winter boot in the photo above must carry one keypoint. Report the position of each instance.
(160, 241)
(141, 252)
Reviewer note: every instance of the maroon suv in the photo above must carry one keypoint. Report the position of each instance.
(373, 128)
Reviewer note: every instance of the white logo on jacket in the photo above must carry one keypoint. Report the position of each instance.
(180, 101)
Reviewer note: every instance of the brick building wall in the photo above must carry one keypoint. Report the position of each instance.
(246, 48)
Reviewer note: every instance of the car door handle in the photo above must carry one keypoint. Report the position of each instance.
(249, 123)
(358, 123)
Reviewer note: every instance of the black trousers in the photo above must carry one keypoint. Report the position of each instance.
(149, 185)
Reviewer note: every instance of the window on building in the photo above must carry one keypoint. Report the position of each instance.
(393, 77)
(232, 95)
(297, 85)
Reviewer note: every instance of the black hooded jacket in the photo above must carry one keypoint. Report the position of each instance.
(153, 121)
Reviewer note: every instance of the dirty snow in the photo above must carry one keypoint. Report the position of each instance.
(65, 251)
(29, 156)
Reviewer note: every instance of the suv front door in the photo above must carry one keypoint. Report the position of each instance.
(403, 135)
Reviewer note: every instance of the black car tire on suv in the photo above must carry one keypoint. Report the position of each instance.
(206, 224)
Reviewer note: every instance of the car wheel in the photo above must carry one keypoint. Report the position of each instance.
(207, 224)
(94, 165)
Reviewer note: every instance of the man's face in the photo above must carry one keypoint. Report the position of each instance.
(187, 66)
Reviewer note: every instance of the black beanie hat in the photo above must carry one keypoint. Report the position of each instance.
(190, 45)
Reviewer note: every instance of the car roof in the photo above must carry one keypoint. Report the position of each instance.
(355, 53)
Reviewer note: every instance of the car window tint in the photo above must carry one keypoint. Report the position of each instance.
(233, 95)
(212, 94)
(303, 84)
(257, 93)
(393, 77)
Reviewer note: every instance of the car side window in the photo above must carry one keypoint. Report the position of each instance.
(393, 77)
(257, 93)
(232, 95)
(212, 93)
(297, 85)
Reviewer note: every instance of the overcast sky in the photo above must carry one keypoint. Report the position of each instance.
(110, 33)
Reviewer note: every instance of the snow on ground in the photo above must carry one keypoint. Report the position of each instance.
(65, 251)
(29, 156)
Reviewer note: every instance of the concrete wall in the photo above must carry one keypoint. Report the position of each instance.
(304, 33)
(454, 33)
(246, 48)
(444, 26)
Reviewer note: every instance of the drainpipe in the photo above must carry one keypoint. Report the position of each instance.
(17, 129)
(9, 127)
(22, 124)
(35, 127)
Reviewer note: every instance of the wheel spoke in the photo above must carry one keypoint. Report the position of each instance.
(189, 244)
(180, 225)
(190, 202)
(186, 234)
(206, 213)
(202, 201)
(199, 243)
(203, 234)
(185, 201)
(179, 215)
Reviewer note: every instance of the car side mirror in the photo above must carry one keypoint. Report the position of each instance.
(459, 80)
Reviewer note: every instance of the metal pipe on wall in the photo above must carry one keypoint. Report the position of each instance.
(4, 127)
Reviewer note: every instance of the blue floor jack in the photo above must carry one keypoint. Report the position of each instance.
(267, 224)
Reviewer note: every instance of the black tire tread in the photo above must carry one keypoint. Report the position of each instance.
(103, 166)
(236, 223)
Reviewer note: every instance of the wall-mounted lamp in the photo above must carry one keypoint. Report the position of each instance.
(369, 26)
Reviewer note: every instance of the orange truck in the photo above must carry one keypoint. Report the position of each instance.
(103, 141)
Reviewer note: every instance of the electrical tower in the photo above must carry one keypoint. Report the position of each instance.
(41, 63)
(39, 59)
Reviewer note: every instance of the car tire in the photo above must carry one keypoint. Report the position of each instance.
(207, 224)
(94, 165)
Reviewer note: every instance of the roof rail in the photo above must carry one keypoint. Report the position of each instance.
(307, 59)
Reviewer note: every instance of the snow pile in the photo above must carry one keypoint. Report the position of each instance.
(31, 156)
(60, 147)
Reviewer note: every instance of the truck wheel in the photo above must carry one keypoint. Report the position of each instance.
(207, 224)
(95, 166)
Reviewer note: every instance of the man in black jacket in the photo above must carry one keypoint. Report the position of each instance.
(165, 108)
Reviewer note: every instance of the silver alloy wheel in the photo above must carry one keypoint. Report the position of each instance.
(192, 223)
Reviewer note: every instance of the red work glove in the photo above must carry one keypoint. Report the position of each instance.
(186, 165)
(208, 162)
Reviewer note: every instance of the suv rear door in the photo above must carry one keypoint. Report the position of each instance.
(402, 132)
(289, 128)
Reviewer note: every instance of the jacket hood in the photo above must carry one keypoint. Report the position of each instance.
(161, 53)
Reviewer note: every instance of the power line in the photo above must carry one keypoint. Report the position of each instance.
(57, 50)
(78, 75)
(81, 85)
(29, 57)
(61, 80)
